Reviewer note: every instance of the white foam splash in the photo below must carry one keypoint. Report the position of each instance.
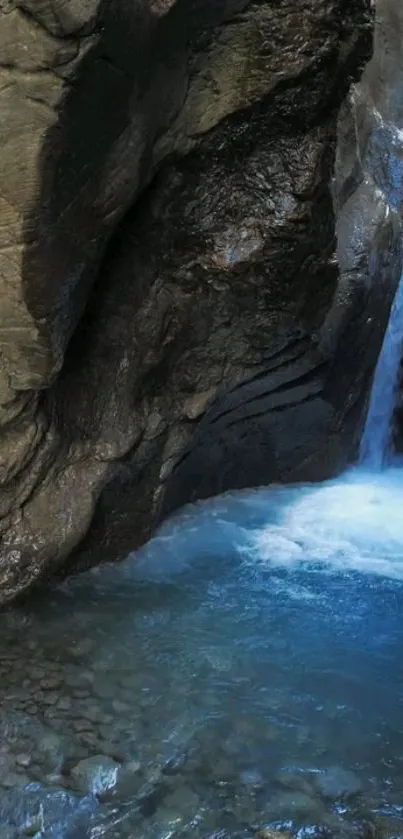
(352, 524)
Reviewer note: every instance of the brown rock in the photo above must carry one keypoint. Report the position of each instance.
(50, 683)
(210, 283)
(82, 725)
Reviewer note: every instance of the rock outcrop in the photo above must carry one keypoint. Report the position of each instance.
(369, 203)
(168, 262)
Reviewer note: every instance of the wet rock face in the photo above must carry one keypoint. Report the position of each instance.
(367, 191)
(182, 359)
(381, 133)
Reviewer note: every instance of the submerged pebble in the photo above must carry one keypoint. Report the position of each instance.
(272, 833)
(7, 832)
(336, 782)
(294, 805)
(96, 775)
(11, 780)
(23, 759)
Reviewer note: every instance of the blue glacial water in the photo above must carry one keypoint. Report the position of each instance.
(242, 671)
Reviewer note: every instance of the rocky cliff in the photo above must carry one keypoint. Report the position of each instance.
(368, 200)
(172, 320)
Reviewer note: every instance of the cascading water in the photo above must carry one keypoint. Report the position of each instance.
(375, 446)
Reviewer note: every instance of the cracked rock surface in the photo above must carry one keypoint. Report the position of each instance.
(167, 262)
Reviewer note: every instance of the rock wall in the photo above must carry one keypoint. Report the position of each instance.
(167, 261)
(368, 202)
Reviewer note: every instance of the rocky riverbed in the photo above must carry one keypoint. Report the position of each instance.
(197, 691)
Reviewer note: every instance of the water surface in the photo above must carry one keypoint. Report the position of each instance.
(243, 670)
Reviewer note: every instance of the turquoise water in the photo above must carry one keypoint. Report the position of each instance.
(242, 671)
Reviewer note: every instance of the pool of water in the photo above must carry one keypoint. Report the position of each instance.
(241, 673)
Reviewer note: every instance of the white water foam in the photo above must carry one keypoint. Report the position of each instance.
(351, 524)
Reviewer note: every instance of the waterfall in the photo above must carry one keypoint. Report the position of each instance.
(376, 440)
